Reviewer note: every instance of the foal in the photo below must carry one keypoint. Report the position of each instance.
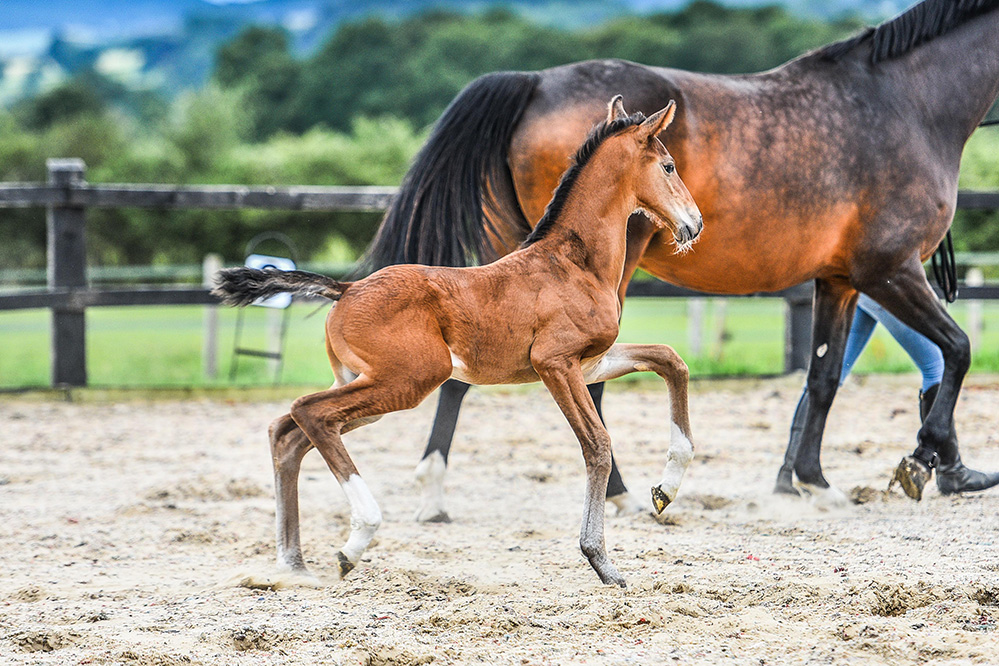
(548, 311)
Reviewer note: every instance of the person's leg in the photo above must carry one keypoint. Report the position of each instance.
(921, 350)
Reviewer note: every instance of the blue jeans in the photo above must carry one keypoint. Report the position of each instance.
(921, 350)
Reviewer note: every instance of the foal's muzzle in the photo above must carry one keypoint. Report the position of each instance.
(689, 229)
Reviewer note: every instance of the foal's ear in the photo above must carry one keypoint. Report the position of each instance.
(615, 109)
(659, 120)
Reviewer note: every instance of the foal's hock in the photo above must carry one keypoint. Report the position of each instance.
(547, 312)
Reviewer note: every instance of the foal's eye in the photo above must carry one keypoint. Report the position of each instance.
(669, 168)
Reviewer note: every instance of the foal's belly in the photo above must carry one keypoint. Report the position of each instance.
(490, 374)
(592, 367)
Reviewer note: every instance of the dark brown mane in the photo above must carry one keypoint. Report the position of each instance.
(916, 26)
(597, 136)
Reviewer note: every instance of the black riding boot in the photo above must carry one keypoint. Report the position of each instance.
(952, 475)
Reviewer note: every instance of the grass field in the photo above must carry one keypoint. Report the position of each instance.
(161, 346)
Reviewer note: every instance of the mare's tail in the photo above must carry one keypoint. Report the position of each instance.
(437, 219)
(242, 286)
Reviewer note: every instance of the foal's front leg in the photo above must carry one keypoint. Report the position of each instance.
(564, 379)
(622, 359)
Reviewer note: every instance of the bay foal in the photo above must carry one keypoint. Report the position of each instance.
(548, 311)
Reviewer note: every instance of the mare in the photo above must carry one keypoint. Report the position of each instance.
(839, 166)
(547, 311)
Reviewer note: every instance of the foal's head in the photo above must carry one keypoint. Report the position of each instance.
(651, 172)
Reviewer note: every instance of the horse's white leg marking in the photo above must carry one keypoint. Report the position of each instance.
(430, 475)
(365, 517)
(459, 370)
(627, 504)
(828, 498)
(681, 452)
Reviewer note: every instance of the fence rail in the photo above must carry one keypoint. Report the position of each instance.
(67, 196)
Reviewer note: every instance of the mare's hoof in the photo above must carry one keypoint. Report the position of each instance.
(828, 497)
(782, 488)
(785, 484)
(912, 474)
(626, 504)
(343, 564)
(439, 516)
(659, 499)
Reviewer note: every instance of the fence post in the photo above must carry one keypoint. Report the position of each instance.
(67, 267)
(211, 265)
(798, 328)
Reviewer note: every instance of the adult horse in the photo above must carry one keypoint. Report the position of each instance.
(840, 167)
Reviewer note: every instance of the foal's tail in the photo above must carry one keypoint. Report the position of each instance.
(242, 286)
(437, 218)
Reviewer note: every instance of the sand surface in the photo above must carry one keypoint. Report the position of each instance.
(126, 527)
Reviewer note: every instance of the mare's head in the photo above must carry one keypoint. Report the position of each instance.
(659, 192)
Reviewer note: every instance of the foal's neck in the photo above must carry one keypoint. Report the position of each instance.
(592, 229)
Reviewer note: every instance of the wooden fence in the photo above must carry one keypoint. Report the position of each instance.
(66, 195)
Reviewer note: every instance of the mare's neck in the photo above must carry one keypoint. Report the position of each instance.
(954, 78)
(592, 229)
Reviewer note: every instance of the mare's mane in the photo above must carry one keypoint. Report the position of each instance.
(918, 25)
(597, 136)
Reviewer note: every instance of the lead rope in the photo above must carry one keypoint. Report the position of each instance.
(945, 268)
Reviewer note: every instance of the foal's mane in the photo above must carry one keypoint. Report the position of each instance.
(918, 25)
(597, 136)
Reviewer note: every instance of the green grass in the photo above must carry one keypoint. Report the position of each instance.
(161, 346)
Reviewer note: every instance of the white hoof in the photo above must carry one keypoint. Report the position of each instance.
(626, 504)
(276, 580)
(432, 514)
(430, 476)
(825, 498)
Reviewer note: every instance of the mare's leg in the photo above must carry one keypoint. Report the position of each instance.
(430, 471)
(564, 379)
(324, 415)
(860, 334)
(908, 296)
(832, 313)
(288, 446)
(623, 359)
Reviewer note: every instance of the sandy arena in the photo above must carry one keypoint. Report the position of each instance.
(126, 528)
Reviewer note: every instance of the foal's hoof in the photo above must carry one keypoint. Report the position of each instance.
(659, 499)
(912, 474)
(344, 565)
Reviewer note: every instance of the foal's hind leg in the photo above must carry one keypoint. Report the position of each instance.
(288, 446)
(324, 415)
(622, 359)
